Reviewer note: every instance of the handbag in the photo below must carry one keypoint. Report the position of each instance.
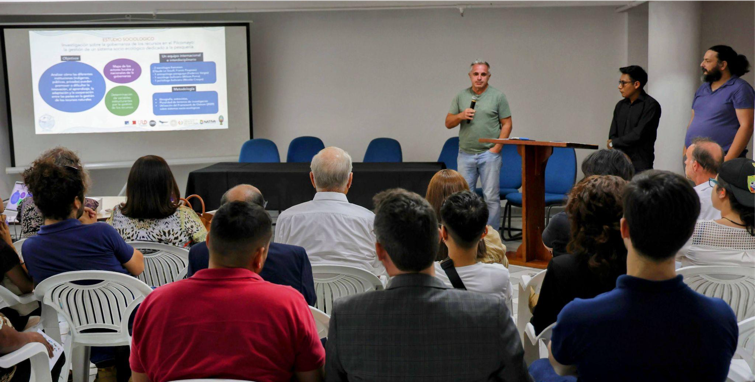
(204, 216)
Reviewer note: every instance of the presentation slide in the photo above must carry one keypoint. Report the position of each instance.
(129, 80)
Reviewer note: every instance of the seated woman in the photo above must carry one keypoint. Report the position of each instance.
(442, 185)
(463, 219)
(28, 214)
(152, 211)
(597, 256)
(731, 239)
(557, 234)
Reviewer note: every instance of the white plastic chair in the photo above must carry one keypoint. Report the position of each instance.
(37, 354)
(743, 365)
(535, 346)
(163, 263)
(97, 314)
(735, 285)
(18, 244)
(523, 314)
(334, 281)
(322, 321)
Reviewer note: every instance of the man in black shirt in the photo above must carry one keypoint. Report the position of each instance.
(635, 119)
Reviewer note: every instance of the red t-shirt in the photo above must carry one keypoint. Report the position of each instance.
(225, 323)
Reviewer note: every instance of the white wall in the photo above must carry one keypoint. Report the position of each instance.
(352, 76)
(637, 36)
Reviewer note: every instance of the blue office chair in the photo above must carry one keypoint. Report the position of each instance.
(450, 153)
(383, 150)
(259, 151)
(303, 149)
(560, 175)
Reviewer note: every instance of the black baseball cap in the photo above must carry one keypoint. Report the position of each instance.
(739, 174)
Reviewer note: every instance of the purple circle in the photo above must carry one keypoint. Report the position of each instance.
(23, 195)
(122, 71)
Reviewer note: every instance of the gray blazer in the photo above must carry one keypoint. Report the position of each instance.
(420, 330)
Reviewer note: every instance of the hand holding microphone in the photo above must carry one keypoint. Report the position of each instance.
(468, 114)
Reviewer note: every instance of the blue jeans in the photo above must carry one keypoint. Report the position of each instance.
(486, 166)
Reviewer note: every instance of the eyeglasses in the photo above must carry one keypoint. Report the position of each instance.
(624, 83)
(713, 182)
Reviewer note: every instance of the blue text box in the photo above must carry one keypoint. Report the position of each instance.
(182, 73)
(181, 103)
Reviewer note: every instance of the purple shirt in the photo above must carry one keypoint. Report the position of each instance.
(715, 115)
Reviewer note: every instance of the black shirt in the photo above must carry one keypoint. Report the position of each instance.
(568, 277)
(558, 233)
(634, 129)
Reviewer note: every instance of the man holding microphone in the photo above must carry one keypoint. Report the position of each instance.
(478, 159)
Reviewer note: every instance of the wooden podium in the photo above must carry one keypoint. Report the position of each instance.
(532, 252)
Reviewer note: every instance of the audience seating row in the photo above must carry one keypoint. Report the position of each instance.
(303, 149)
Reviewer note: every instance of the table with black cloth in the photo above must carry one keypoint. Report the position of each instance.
(287, 184)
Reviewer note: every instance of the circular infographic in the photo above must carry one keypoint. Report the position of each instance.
(72, 86)
(122, 100)
(122, 71)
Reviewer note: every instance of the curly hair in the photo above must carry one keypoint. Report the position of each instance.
(595, 209)
(54, 187)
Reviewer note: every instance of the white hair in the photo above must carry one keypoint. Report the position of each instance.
(480, 62)
(331, 168)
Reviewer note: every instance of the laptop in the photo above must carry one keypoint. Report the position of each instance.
(19, 193)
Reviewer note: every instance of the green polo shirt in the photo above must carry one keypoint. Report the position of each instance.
(491, 107)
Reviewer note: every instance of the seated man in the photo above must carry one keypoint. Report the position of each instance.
(419, 329)
(652, 327)
(702, 160)
(464, 216)
(285, 264)
(71, 239)
(332, 230)
(238, 326)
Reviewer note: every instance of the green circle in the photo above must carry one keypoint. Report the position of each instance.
(122, 100)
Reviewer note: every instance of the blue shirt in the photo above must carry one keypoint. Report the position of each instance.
(285, 265)
(715, 111)
(647, 331)
(70, 245)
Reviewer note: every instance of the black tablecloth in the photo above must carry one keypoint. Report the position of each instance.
(287, 184)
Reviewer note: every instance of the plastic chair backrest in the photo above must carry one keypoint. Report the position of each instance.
(18, 245)
(334, 281)
(511, 167)
(303, 149)
(449, 154)
(537, 348)
(259, 151)
(561, 171)
(322, 321)
(163, 263)
(383, 150)
(523, 310)
(746, 342)
(105, 305)
(734, 285)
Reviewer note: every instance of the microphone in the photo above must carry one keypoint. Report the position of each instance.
(474, 102)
